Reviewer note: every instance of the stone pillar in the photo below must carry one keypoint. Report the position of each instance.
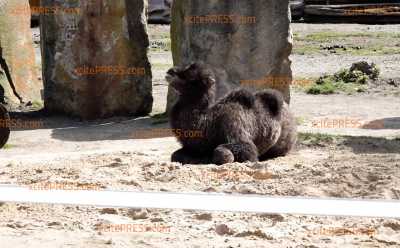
(247, 42)
(94, 55)
(18, 52)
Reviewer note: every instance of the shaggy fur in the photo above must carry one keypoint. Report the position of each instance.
(240, 127)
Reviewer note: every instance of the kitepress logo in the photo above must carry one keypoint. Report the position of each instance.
(23, 9)
(275, 81)
(340, 231)
(166, 132)
(18, 123)
(110, 69)
(64, 186)
(235, 175)
(220, 19)
(371, 10)
(133, 228)
(347, 122)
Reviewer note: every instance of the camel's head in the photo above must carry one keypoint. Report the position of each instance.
(191, 80)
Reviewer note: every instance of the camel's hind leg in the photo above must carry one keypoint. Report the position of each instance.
(274, 152)
(235, 152)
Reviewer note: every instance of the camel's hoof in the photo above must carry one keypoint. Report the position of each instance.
(4, 126)
(222, 155)
(178, 157)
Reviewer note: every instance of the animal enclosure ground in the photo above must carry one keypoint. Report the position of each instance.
(327, 162)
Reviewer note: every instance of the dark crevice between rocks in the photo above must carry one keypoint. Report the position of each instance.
(4, 66)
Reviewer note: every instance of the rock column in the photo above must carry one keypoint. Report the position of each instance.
(247, 42)
(18, 54)
(94, 55)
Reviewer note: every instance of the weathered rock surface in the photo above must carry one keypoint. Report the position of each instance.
(18, 52)
(95, 60)
(246, 42)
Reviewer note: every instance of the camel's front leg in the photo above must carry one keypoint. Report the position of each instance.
(185, 157)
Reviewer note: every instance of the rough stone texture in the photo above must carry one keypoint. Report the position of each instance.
(251, 48)
(108, 38)
(17, 48)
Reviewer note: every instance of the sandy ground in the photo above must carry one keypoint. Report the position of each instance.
(109, 154)
(314, 66)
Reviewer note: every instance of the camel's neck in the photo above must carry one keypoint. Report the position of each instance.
(200, 103)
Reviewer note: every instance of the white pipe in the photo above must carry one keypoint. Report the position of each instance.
(206, 202)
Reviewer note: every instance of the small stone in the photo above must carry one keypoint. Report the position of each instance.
(256, 233)
(369, 69)
(395, 226)
(16, 225)
(263, 175)
(247, 190)
(165, 178)
(210, 189)
(115, 164)
(204, 216)
(274, 217)
(54, 223)
(138, 214)
(157, 220)
(108, 211)
(223, 229)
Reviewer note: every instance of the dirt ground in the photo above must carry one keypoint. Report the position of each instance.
(351, 162)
